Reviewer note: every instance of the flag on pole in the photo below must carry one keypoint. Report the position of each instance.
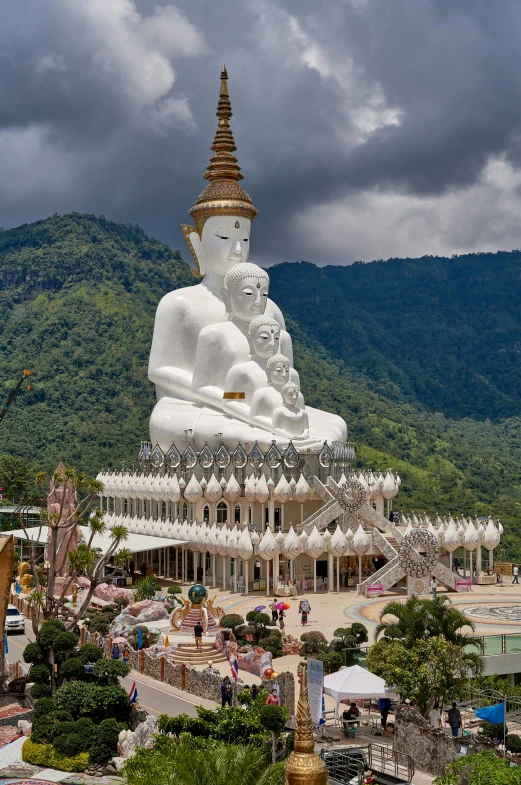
(18, 588)
(6, 645)
(234, 664)
(139, 638)
(494, 714)
(132, 696)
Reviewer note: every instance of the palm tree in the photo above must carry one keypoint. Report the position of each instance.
(187, 763)
(409, 624)
(146, 588)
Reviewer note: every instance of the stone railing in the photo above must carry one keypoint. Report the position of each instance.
(204, 683)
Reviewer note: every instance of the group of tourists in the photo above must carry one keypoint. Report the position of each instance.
(227, 694)
(278, 614)
(117, 654)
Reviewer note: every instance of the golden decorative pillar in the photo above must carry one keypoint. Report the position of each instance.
(304, 766)
(6, 578)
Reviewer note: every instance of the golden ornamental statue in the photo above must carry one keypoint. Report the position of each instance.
(304, 766)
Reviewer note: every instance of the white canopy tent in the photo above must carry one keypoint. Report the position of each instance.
(136, 543)
(355, 682)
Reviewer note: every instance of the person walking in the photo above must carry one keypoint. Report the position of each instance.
(384, 707)
(101, 641)
(434, 587)
(272, 699)
(304, 609)
(115, 652)
(226, 692)
(198, 635)
(144, 570)
(126, 655)
(254, 692)
(274, 611)
(454, 716)
(515, 579)
(281, 619)
(131, 570)
(435, 717)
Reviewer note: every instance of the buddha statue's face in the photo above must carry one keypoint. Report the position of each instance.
(290, 393)
(248, 298)
(265, 341)
(279, 373)
(225, 241)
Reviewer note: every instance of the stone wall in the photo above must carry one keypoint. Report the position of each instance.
(205, 684)
(431, 750)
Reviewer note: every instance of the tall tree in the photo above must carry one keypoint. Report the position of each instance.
(71, 501)
(15, 477)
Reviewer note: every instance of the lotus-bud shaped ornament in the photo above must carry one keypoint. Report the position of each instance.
(232, 492)
(389, 489)
(282, 492)
(244, 546)
(302, 490)
(491, 537)
(315, 545)
(174, 491)
(268, 547)
(338, 544)
(222, 541)
(193, 491)
(211, 540)
(361, 543)
(471, 538)
(450, 539)
(249, 488)
(255, 539)
(292, 547)
(303, 537)
(262, 492)
(202, 536)
(232, 542)
(326, 538)
(500, 527)
(213, 490)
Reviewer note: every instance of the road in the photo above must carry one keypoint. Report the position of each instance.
(155, 699)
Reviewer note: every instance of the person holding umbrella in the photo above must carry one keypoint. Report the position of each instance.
(274, 611)
(281, 619)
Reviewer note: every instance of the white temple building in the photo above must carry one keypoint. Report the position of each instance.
(258, 487)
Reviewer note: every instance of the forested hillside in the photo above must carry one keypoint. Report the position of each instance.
(78, 296)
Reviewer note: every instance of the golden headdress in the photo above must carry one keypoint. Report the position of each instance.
(223, 195)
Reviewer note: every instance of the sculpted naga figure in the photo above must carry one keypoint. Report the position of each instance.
(221, 333)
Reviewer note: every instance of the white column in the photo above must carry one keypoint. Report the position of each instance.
(491, 560)
(315, 576)
(176, 552)
(359, 569)
(214, 570)
(330, 571)
(470, 562)
(478, 561)
(276, 559)
(203, 564)
(337, 574)
(235, 574)
(159, 561)
(224, 573)
(282, 517)
(246, 574)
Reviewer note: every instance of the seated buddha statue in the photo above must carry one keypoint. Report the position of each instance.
(182, 365)
(290, 418)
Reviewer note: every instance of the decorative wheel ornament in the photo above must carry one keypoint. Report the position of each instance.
(351, 495)
(419, 587)
(414, 563)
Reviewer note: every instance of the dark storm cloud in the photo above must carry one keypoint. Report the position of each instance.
(383, 109)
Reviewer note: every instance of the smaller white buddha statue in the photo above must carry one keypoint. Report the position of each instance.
(290, 419)
(268, 398)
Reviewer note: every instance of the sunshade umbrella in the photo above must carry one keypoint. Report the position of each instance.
(259, 608)
(283, 606)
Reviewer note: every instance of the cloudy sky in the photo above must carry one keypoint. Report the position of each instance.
(365, 128)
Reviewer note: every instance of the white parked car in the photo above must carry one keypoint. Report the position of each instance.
(14, 621)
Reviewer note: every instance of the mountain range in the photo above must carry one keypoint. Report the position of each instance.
(422, 357)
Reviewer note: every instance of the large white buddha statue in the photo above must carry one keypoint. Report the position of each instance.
(202, 333)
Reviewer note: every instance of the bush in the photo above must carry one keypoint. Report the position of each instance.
(360, 632)
(492, 730)
(146, 588)
(290, 741)
(98, 623)
(273, 718)
(40, 674)
(35, 753)
(93, 700)
(175, 589)
(69, 744)
(196, 727)
(85, 727)
(43, 730)
(231, 621)
(174, 725)
(89, 653)
(63, 728)
(121, 602)
(110, 670)
(333, 661)
(33, 653)
(40, 691)
(72, 668)
(43, 706)
(104, 742)
(314, 643)
(513, 742)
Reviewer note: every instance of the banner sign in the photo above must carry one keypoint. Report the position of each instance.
(315, 689)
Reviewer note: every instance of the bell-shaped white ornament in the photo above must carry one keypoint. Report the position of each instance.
(232, 492)
(268, 547)
(244, 545)
(292, 547)
(361, 543)
(315, 545)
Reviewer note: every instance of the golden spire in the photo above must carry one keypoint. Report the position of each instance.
(304, 766)
(223, 195)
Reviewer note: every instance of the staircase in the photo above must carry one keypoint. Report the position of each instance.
(187, 653)
(195, 615)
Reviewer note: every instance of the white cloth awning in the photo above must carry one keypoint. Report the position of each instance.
(355, 682)
(136, 543)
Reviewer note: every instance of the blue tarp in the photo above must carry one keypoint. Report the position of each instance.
(494, 714)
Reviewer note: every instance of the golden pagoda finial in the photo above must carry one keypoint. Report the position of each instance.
(223, 195)
(304, 766)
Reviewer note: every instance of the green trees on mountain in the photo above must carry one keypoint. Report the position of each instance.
(418, 356)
